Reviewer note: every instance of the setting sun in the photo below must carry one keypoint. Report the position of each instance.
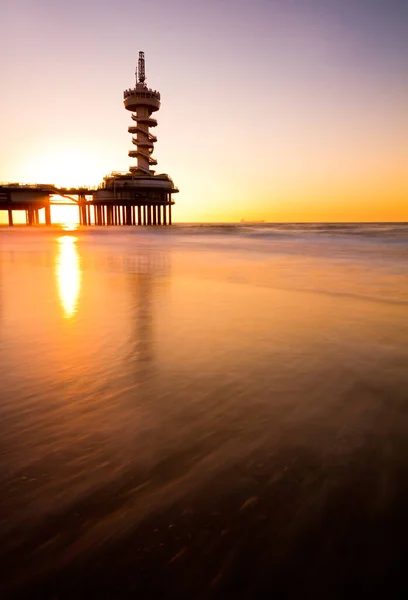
(65, 214)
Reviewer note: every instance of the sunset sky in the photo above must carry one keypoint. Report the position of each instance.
(282, 110)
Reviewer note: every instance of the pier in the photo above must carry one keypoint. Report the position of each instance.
(128, 205)
(137, 197)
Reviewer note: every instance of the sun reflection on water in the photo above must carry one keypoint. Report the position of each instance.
(68, 274)
(69, 226)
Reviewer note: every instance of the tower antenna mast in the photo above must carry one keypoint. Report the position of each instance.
(141, 66)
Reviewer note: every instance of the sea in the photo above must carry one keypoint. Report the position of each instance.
(204, 411)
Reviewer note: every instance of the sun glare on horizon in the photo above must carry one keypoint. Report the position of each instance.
(65, 215)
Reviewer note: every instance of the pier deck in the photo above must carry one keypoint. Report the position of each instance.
(96, 206)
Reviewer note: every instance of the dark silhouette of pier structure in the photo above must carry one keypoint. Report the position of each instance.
(137, 197)
(119, 205)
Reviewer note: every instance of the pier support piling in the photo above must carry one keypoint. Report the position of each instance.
(48, 215)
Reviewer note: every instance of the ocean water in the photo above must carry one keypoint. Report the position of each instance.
(215, 411)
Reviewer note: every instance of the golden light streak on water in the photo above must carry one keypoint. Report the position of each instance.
(69, 226)
(68, 272)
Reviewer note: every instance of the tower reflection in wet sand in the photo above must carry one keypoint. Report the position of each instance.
(68, 274)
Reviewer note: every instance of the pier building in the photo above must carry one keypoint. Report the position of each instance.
(136, 197)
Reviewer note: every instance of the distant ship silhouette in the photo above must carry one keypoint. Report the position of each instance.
(251, 222)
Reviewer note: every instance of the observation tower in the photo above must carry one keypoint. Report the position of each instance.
(140, 196)
(142, 101)
(136, 197)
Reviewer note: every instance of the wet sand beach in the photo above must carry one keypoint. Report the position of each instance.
(204, 412)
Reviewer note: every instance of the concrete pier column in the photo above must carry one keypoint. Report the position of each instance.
(139, 215)
(159, 214)
(154, 214)
(109, 215)
(30, 213)
(170, 212)
(84, 215)
(128, 215)
(80, 210)
(88, 213)
(164, 215)
(48, 215)
(149, 215)
(10, 216)
(133, 209)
